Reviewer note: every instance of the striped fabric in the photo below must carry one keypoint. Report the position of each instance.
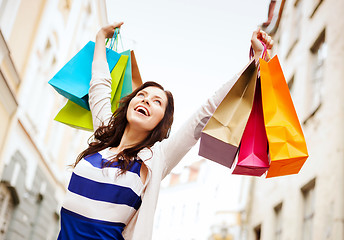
(99, 203)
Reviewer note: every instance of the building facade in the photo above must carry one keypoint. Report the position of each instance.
(203, 202)
(309, 42)
(37, 38)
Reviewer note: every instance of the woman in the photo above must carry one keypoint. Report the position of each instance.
(115, 184)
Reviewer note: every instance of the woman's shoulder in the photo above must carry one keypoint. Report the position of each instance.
(146, 153)
(152, 156)
(150, 152)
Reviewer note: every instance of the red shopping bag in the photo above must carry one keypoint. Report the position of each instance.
(253, 153)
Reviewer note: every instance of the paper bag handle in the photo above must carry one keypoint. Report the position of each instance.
(265, 52)
(114, 40)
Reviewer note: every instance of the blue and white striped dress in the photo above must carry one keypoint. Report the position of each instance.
(99, 203)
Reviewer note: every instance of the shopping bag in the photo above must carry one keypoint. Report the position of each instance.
(287, 145)
(127, 80)
(132, 77)
(132, 80)
(253, 152)
(73, 79)
(78, 117)
(116, 95)
(75, 116)
(222, 134)
(136, 76)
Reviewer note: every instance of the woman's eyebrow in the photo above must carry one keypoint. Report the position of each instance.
(144, 91)
(157, 96)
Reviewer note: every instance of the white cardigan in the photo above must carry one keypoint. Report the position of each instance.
(164, 155)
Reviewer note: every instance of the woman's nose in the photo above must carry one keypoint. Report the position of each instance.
(145, 100)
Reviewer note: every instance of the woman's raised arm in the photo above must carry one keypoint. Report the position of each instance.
(100, 85)
(103, 33)
(178, 144)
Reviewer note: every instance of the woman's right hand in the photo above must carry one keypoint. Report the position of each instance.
(108, 31)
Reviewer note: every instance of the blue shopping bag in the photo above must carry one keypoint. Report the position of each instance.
(78, 117)
(73, 79)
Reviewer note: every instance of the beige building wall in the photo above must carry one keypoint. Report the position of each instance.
(5, 120)
(9, 81)
(37, 38)
(24, 31)
(309, 41)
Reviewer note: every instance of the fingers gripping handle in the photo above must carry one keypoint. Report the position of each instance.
(114, 40)
(265, 51)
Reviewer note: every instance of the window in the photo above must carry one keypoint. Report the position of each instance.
(38, 111)
(316, 4)
(182, 218)
(291, 84)
(172, 219)
(3, 4)
(278, 221)
(53, 228)
(296, 25)
(197, 212)
(8, 14)
(257, 232)
(308, 210)
(6, 209)
(85, 23)
(55, 139)
(297, 18)
(317, 69)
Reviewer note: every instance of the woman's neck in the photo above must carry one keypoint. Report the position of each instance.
(130, 138)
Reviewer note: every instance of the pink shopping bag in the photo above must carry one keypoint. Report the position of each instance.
(253, 153)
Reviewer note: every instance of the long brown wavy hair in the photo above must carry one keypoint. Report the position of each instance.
(110, 135)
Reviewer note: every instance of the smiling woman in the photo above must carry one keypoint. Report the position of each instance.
(147, 109)
(128, 130)
(114, 187)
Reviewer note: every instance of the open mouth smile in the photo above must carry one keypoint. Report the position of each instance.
(142, 110)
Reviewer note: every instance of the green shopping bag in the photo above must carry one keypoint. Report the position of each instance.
(78, 117)
(75, 116)
(124, 85)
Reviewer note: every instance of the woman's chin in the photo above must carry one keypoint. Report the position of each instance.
(139, 125)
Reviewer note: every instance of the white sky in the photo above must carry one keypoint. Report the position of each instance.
(191, 47)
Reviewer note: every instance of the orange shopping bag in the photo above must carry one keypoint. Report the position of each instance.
(287, 145)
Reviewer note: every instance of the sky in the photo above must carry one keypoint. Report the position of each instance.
(191, 47)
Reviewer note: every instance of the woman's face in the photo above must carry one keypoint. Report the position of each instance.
(147, 109)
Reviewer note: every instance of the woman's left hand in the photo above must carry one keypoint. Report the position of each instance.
(104, 32)
(258, 37)
(108, 30)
